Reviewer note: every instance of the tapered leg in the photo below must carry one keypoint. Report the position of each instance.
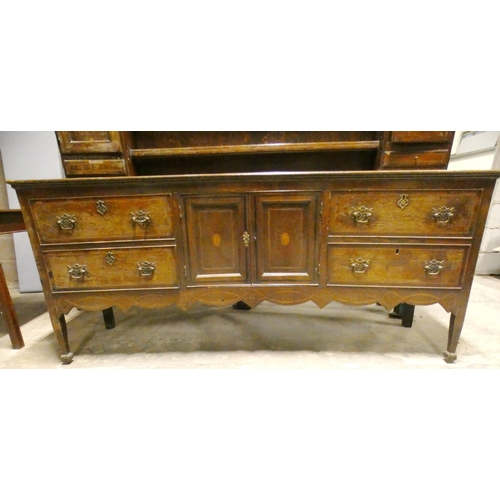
(109, 318)
(61, 331)
(456, 324)
(9, 313)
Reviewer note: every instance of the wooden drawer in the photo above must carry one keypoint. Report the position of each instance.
(393, 265)
(89, 142)
(426, 159)
(447, 213)
(94, 168)
(103, 219)
(419, 137)
(113, 268)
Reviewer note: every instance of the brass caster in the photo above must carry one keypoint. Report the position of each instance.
(450, 357)
(67, 358)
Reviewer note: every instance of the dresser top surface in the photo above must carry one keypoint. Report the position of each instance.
(398, 175)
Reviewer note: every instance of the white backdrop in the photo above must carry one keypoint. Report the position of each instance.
(28, 155)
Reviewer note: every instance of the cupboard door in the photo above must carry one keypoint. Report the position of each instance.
(287, 237)
(216, 240)
(89, 142)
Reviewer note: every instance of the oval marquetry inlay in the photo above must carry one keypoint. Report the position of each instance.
(285, 239)
(216, 240)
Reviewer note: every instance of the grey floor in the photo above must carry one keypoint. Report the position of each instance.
(270, 336)
(363, 425)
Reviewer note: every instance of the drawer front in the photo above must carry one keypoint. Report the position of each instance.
(410, 213)
(94, 167)
(428, 159)
(418, 137)
(110, 268)
(89, 142)
(392, 265)
(103, 219)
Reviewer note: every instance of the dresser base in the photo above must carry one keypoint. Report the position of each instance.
(251, 297)
(357, 238)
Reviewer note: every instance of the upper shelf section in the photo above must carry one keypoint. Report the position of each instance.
(157, 153)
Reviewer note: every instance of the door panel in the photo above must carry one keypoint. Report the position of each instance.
(286, 229)
(215, 244)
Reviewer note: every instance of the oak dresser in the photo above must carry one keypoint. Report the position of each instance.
(229, 224)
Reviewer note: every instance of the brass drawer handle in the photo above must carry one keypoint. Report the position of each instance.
(66, 222)
(433, 266)
(146, 268)
(142, 218)
(443, 214)
(77, 271)
(362, 214)
(360, 265)
(246, 239)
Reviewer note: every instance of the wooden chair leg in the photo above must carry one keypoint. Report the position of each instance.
(9, 313)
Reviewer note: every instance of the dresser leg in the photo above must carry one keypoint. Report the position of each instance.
(61, 331)
(456, 324)
(408, 313)
(109, 318)
(405, 312)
